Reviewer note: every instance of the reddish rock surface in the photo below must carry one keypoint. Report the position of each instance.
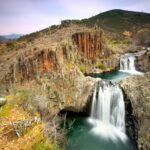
(90, 44)
(27, 68)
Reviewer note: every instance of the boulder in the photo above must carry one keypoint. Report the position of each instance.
(68, 90)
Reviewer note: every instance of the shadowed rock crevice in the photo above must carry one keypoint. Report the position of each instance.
(136, 89)
(131, 121)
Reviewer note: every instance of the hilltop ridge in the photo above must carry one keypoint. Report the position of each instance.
(118, 20)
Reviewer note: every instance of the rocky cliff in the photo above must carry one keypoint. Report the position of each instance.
(89, 44)
(85, 49)
(136, 89)
(56, 69)
(143, 61)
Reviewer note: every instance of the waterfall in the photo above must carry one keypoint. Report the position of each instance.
(108, 110)
(127, 63)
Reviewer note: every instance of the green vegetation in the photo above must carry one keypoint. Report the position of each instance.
(20, 98)
(115, 42)
(101, 66)
(119, 20)
(40, 143)
(16, 111)
(5, 110)
(25, 99)
(69, 65)
(82, 68)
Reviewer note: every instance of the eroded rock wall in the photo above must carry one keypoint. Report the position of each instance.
(90, 44)
(28, 67)
(67, 90)
(143, 61)
(137, 89)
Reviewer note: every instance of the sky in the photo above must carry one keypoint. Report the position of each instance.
(26, 16)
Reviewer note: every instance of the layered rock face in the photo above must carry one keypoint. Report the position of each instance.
(63, 85)
(57, 69)
(143, 61)
(27, 68)
(90, 44)
(136, 89)
(67, 90)
(95, 55)
(84, 48)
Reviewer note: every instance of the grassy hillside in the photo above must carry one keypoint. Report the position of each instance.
(116, 21)
(119, 20)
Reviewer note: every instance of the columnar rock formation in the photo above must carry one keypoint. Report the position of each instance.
(90, 44)
(26, 68)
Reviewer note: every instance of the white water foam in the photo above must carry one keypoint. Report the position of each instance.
(108, 112)
(127, 64)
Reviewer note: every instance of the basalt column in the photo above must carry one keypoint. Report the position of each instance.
(90, 44)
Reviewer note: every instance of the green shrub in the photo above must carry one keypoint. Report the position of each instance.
(126, 41)
(39, 144)
(82, 68)
(69, 65)
(5, 110)
(25, 99)
(101, 66)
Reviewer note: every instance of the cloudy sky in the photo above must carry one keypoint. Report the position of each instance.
(26, 16)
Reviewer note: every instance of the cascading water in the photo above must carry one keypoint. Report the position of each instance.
(108, 111)
(108, 105)
(127, 64)
(105, 128)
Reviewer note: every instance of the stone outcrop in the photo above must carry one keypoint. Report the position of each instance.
(136, 89)
(90, 44)
(143, 61)
(67, 90)
(83, 49)
(64, 87)
(27, 68)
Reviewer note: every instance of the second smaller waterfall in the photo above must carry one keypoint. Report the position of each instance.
(127, 63)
